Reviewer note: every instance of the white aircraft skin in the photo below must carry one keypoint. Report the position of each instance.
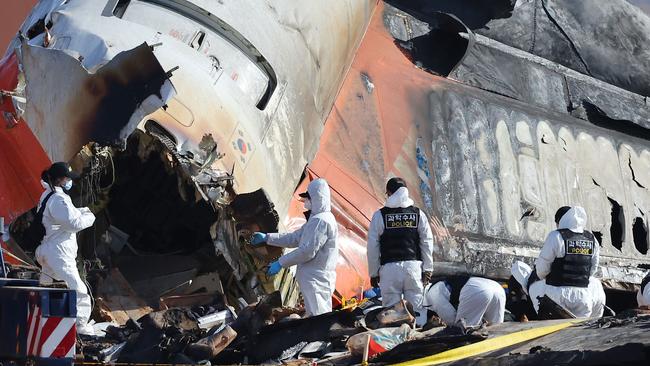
(259, 77)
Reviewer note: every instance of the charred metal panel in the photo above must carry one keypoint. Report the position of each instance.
(607, 40)
(474, 13)
(496, 70)
(499, 68)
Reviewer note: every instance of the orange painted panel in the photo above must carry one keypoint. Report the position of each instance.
(22, 159)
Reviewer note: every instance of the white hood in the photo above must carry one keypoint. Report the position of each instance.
(575, 220)
(319, 195)
(47, 187)
(399, 199)
(521, 271)
(431, 292)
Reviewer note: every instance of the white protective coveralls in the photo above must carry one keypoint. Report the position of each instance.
(480, 299)
(404, 277)
(521, 271)
(643, 297)
(577, 300)
(316, 253)
(58, 251)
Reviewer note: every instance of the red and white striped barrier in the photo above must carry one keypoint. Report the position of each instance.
(53, 337)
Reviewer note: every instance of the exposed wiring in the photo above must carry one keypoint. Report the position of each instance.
(90, 293)
(91, 182)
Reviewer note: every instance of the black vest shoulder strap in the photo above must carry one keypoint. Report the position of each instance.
(566, 233)
(41, 209)
(589, 235)
(456, 283)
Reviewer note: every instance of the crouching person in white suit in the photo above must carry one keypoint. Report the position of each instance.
(471, 300)
(521, 272)
(567, 263)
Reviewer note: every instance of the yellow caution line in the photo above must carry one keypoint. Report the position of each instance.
(487, 345)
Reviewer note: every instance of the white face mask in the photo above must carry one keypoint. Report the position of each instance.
(68, 185)
(307, 204)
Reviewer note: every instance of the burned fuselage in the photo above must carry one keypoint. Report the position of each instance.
(492, 139)
(492, 130)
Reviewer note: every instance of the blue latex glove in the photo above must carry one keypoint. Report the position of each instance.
(258, 239)
(274, 268)
(369, 294)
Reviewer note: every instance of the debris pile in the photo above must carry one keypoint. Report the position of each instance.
(167, 262)
(268, 333)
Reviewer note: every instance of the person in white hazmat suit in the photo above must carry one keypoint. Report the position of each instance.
(400, 248)
(567, 263)
(467, 300)
(316, 253)
(57, 252)
(643, 296)
(521, 272)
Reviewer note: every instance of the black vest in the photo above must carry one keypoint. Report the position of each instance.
(400, 240)
(574, 268)
(645, 281)
(456, 283)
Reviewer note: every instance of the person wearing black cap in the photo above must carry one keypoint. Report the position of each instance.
(58, 251)
(400, 248)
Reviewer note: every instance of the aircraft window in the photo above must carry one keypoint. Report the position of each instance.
(198, 39)
(618, 223)
(120, 7)
(209, 36)
(640, 233)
